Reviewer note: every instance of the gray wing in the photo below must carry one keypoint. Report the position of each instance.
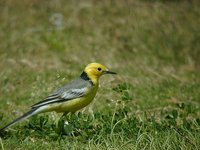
(75, 89)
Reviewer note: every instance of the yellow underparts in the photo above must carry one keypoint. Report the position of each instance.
(74, 104)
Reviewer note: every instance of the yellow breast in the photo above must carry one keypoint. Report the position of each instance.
(74, 104)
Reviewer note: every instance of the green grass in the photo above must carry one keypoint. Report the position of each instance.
(153, 45)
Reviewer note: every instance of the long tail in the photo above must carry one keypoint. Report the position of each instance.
(23, 117)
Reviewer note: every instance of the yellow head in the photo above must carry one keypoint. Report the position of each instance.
(95, 70)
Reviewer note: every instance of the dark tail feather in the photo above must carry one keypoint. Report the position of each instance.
(23, 117)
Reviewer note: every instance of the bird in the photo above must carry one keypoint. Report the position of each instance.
(71, 97)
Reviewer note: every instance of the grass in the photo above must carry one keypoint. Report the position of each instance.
(153, 45)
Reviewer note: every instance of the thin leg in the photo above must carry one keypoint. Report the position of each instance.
(61, 123)
(64, 114)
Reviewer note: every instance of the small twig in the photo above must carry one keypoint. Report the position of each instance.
(155, 73)
(177, 77)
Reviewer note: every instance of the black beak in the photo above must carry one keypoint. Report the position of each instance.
(109, 72)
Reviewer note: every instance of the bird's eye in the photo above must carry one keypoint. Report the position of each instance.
(99, 69)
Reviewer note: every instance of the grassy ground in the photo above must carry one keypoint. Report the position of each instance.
(153, 102)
